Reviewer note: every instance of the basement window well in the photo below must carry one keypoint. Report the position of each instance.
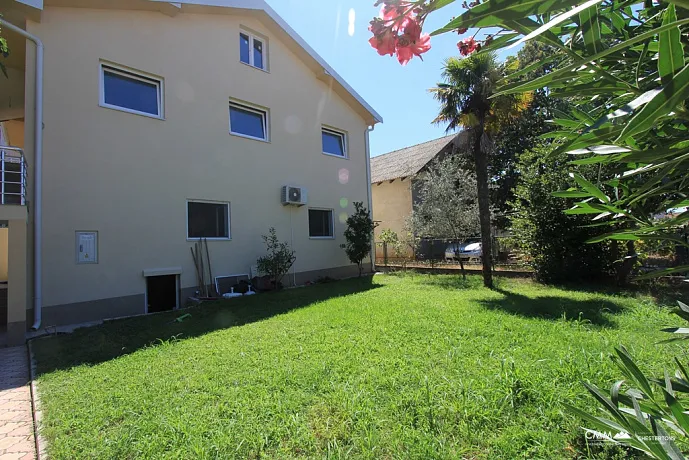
(162, 293)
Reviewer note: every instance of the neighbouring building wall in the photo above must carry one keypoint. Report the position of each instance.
(128, 177)
(12, 94)
(392, 206)
(3, 254)
(15, 132)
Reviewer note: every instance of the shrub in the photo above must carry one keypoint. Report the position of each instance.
(279, 259)
(358, 234)
(554, 242)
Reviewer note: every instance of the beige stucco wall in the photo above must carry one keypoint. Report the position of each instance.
(392, 205)
(129, 176)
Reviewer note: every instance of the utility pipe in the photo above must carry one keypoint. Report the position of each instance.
(38, 172)
(368, 189)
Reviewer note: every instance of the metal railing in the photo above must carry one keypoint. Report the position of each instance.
(12, 176)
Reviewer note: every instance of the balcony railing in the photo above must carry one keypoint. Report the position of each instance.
(12, 176)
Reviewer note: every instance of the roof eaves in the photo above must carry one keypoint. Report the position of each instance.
(262, 5)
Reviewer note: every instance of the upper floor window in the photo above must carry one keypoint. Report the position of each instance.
(248, 121)
(252, 50)
(130, 91)
(334, 143)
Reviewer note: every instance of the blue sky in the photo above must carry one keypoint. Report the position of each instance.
(398, 93)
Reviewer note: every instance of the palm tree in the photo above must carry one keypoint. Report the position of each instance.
(465, 102)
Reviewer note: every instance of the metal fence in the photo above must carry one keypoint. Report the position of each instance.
(433, 251)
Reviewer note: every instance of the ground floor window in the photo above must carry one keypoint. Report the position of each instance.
(321, 223)
(208, 220)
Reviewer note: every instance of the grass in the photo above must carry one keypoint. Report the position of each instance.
(384, 367)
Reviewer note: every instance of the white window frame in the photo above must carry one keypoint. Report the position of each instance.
(229, 220)
(332, 224)
(253, 37)
(335, 132)
(134, 75)
(264, 112)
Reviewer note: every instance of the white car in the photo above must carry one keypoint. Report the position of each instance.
(470, 249)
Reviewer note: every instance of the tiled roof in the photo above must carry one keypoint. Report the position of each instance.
(407, 161)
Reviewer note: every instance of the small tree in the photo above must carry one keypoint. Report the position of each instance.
(279, 260)
(358, 235)
(390, 240)
(447, 205)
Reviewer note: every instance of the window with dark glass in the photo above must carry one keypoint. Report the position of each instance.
(252, 50)
(208, 220)
(248, 121)
(244, 48)
(334, 143)
(130, 91)
(321, 223)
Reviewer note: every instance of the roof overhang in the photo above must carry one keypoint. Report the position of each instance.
(257, 8)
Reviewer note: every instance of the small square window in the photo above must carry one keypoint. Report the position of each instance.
(252, 50)
(131, 92)
(208, 220)
(321, 223)
(248, 121)
(334, 143)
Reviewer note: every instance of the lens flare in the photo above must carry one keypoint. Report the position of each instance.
(344, 202)
(293, 124)
(352, 20)
(343, 175)
(343, 217)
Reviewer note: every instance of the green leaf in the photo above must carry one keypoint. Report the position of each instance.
(598, 423)
(557, 20)
(495, 12)
(571, 194)
(530, 68)
(671, 52)
(584, 90)
(500, 42)
(615, 393)
(669, 447)
(666, 101)
(590, 188)
(631, 366)
(665, 272)
(558, 134)
(566, 123)
(590, 29)
(681, 3)
(569, 70)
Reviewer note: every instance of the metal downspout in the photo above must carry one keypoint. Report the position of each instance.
(368, 190)
(38, 172)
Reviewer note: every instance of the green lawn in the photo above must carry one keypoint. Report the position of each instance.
(384, 367)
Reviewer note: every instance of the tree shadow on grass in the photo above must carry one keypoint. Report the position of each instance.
(592, 311)
(116, 338)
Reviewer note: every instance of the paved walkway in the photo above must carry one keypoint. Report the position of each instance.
(16, 421)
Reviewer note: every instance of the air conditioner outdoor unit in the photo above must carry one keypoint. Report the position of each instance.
(293, 195)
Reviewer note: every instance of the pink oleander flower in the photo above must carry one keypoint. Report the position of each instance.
(398, 30)
(385, 43)
(467, 46)
(412, 43)
(395, 15)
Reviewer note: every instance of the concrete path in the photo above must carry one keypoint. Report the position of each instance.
(16, 420)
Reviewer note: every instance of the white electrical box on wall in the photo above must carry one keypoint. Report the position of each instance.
(87, 247)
